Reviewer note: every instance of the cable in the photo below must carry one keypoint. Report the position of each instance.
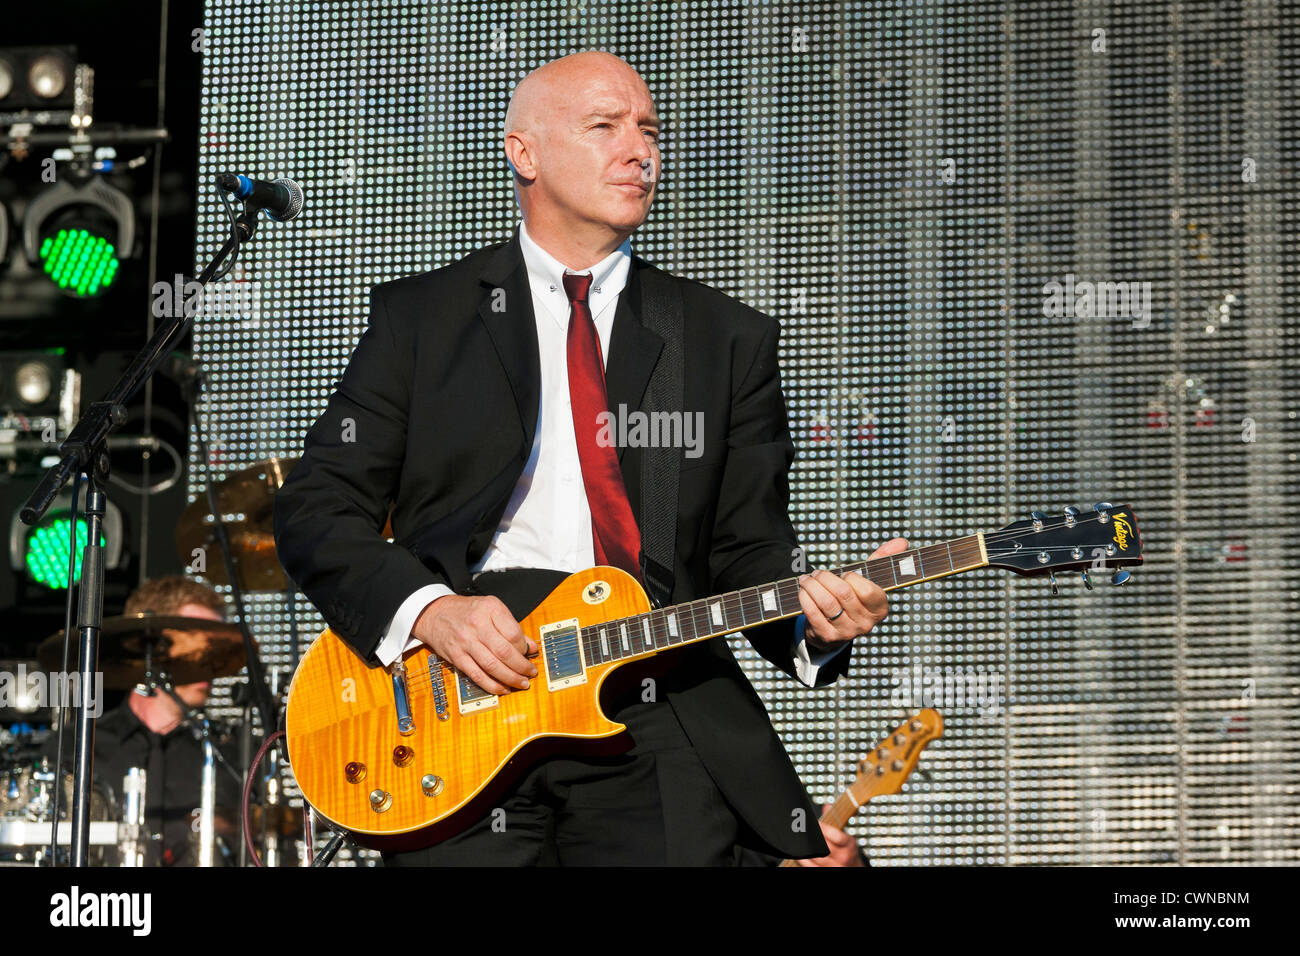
(177, 472)
(327, 854)
(248, 795)
(234, 234)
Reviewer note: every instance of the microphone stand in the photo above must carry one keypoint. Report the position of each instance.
(85, 451)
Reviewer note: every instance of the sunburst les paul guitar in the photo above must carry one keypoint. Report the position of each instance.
(406, 756)
(885, 769)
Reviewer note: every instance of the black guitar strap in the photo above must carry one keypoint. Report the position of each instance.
(662, 313)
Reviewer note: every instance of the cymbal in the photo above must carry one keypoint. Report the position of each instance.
(246, 499)
(189, 649)
(282, 819)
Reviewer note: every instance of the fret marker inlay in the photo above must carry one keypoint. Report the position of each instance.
(907, 566)
(672, 625)
(716, 608)
(769, 600)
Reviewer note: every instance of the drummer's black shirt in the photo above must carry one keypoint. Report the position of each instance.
(173, 764)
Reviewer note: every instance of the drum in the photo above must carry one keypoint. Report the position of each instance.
(26, 803)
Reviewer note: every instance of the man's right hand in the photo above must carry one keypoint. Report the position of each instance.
(479, 637)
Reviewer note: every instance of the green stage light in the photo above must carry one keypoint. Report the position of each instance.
(79, 261)
(78, 234)
(41, 552)
(47, 551)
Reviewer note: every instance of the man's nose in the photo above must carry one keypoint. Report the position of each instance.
(639, 145)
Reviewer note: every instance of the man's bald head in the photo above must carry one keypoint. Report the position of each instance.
(582, 137)
(537, 91)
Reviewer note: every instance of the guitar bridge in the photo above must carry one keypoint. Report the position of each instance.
(439, 687)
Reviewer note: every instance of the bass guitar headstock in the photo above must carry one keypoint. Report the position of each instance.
(885, 769)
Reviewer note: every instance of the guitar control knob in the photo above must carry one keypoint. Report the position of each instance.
(1120, 577)
(914, 726)
(432, 784)
(354, 772)
(403, 755)
(380, 800)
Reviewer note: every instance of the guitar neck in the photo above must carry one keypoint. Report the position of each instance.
(707, 618)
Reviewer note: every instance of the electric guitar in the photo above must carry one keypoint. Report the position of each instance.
(885, 769)
(405, 757)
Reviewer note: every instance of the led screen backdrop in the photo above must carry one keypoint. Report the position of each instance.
(925, 194)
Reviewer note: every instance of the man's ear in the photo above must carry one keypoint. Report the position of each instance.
(519, 154)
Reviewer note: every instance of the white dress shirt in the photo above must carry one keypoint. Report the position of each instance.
(547, 522)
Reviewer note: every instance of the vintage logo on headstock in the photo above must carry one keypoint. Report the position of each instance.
(1122, 530)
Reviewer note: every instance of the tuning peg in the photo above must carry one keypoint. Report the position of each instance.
(1120, 577)
(1051, 576)
(1102, 506)
(1087, 580)
(1070, 513)
(1039, 518)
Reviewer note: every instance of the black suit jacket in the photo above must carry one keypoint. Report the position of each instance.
(436, 413)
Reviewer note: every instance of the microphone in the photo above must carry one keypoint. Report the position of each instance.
(282, 198)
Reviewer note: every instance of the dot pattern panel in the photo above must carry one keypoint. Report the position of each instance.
(901, 184)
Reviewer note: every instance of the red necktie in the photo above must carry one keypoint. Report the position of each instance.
(613, 528)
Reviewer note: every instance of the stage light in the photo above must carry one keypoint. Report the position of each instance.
(36, 83)
(48, 76)
(41, 551)
(32, 382)
(78, 235)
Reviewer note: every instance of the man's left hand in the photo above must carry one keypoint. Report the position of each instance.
(844, 849)
(855, 603)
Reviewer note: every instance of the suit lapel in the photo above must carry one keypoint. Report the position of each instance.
(506, 309)
(633, 351)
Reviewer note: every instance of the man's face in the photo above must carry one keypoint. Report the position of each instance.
(597, 152)
(195, 695)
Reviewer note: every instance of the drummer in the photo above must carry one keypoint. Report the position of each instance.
(145, 731)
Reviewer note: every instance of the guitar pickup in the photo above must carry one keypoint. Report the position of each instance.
(472, 697)
(562, 649)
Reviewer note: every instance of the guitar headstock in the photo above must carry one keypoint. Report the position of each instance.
(1098, 540)
(888, 766)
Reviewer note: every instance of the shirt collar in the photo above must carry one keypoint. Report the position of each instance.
(546, 273)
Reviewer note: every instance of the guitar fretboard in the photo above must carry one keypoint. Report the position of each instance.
(711, 617)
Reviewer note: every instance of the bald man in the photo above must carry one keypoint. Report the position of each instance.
(474, 406)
